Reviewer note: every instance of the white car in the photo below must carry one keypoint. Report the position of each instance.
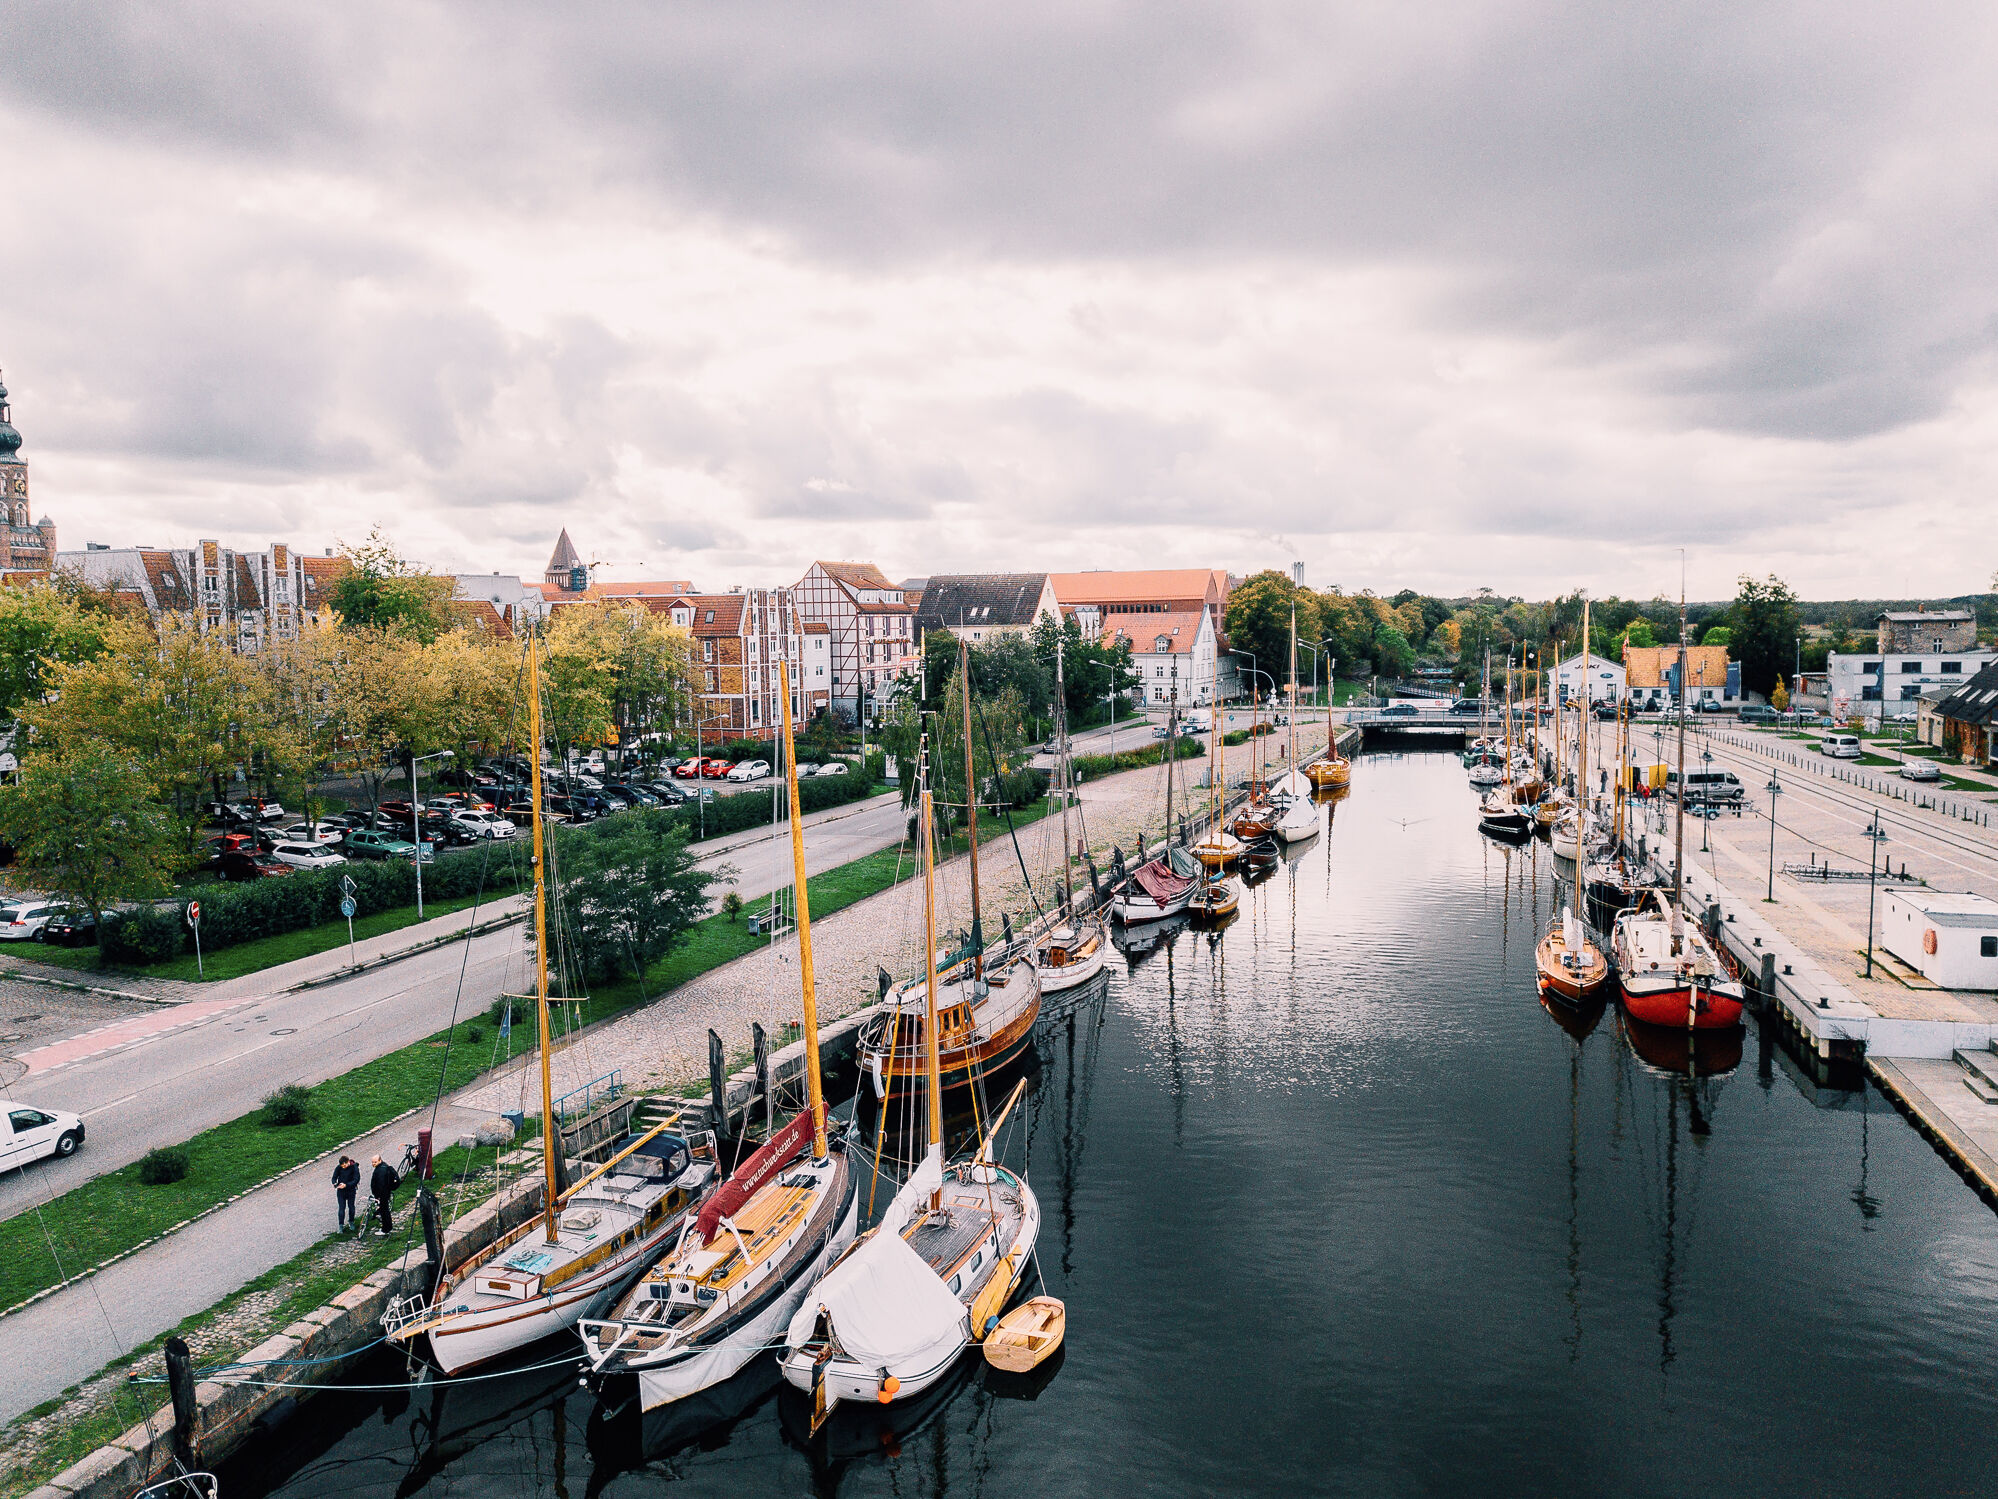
(300, 832)
(301, 855)
(25, 919)
(29, 1134)
(749, 770)
(485, 824)
(833, 768)
(1919, 770)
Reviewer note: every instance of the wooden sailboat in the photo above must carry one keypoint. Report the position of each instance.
(988, 1010)
(1159, 887)
(899, 1307)
(1498, 814)
(1554, 802)
(1074, 948)
(1609, 877)
(729, 1287)
(591, 1239)
(1258, 816)
(1570, 965)
(1219, 848)
(1297, 819)
(1570, 837)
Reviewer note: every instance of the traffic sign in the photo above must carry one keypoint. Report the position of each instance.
(194, 913)
(346, 884)
(347, 906)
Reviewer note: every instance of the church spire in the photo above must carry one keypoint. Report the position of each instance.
(10, 440)
(565, 566)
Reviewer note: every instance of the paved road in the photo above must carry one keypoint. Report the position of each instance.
(156, 1078)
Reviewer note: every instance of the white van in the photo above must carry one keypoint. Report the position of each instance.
(1711, 787)
(1840, 746)
(29, 1134)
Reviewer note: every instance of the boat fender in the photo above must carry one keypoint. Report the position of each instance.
(990, 1323)
(889, 1385)
(1929, 941)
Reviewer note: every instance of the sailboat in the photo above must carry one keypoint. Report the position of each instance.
(1608, 877)
(1297, 819)
(1258, 816)
(590, 1240)
(1670, 973)
(1555, 802)
(899, 1307)
(988, 1009)
(1498, 814)
(1570, 965)
(1159, 887)
(737, 1273)
(1219, 848)
(1074, 948)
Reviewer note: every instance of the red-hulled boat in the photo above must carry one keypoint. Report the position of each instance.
(1670, 974)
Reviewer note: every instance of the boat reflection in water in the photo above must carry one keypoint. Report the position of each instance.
(1671, 1050)
(624, 1438)
(1578, 1020)
(1139, 943)
(855, 1431)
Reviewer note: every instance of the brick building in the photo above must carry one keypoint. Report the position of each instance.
(1651, 675)
(25, 546)
(738, 640)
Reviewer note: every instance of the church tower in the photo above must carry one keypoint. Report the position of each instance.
(565, 568)
(25, 545)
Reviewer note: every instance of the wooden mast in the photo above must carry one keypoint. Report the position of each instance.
(1062, 774)
(1679, 801)
(932, 1066)
(552, 1202)
(815, 1085)
(971, 811)
(1290, 718)
(1582, 743)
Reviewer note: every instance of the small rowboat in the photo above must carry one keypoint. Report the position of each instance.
(1026, 1335)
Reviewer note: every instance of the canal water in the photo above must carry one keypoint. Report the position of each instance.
(1337, 1207)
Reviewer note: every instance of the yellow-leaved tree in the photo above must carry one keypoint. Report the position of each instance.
(614, 665)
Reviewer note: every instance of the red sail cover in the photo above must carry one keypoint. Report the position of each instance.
(783, 1147)
(1159, 882)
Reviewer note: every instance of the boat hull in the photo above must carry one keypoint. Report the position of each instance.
(1059, 978)
(1135, 907)
(1666, 1006)
(476, 1338)
(1570, 982)
(1325, 773)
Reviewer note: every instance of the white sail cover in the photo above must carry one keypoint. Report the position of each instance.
(887, 1307)
(925, 1179)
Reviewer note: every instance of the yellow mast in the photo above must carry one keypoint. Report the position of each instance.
(1214, 752)
(814, 1084)
(971, 808)
(1582, 743)
(554, 1206)
(932, 1066)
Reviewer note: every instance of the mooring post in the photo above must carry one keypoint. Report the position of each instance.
(1768, 981)
(717, 1084)
(763, 1079)
(433, 1242)
(180, 1385)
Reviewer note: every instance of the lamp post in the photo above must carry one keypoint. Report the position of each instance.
(1875, 836)
(1775, 789)
(1706, 811)
(416, 819)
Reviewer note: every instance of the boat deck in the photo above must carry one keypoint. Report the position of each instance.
(945, 1238)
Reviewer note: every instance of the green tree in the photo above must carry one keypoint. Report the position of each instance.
(1720, 635)
(636, 667)
(381, 590)
(631, 892)
(41, 628)
(1258, 621)
(1091, 670)
(1393, 655)
(1638, 635)
(86, 825)
(1766, 625)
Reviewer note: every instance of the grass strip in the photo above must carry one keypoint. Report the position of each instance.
(307, 1281)
(113, 1212)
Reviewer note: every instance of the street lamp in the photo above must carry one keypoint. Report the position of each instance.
(1875, 835)
(1706, 811)
(1775, 789)
(416, 820)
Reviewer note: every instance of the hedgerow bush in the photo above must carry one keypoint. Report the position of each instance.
(162, 1165)
(1089, 767)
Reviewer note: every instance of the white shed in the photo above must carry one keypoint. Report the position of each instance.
(1952, 940)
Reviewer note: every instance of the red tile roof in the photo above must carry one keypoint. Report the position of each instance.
(1143, 630)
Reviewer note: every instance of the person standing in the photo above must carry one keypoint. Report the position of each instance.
(382, 1185)
(346, 1185)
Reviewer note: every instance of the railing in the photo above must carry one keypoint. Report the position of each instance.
(1977, 814)
(595, 1093)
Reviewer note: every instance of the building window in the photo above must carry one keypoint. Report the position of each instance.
(1909, 694)
(708, 651)
(1869, 694)
(1952, 668)
(1869, 666)
(1910, 666)
(1987, 947)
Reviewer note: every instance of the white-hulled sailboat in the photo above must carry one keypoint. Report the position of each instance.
(900, 1307)
(1075, 947)
(1298, 819)
(590, 1240)
(729, 1287)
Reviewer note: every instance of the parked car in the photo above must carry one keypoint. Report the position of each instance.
(833, 768)
(304, 854)
(1920, 770)
(245, 866)
(1758, 713)
(231, 843)
(1706, 787)
(486, 822)
(1708, 705)
(715, 770)
(1606, 711)
(749, 770)
(1901, 718)
(70, 927)
(373, 843)
(304, 832)
(630, 795)
(1840, 746)
(399, 809)
(30, 1134)
(231, 815)
(688, 770)
(669, 794)
(444, 830)
(25, 919)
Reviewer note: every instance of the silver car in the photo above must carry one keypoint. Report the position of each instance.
(1919, 770)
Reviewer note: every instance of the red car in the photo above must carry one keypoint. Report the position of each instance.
(688, 770)
(715, 770)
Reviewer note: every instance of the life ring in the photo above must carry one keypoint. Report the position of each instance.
(1929, 941)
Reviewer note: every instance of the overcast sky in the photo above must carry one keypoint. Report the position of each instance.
(1514, 293)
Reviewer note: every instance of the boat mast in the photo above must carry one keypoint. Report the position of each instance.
(932, 1067)
(1214, 753)
(552, 1201)
(815, 1085)
(1679, 802)
(1290, 718)
(1062, 773)
(1582, 743)
(971, 811)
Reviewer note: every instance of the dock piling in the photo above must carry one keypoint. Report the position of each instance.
(180, 1385)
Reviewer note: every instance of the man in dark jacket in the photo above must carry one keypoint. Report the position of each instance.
(346, 1184)
(382, 1186)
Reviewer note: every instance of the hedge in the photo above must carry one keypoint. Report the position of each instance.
(1089, 767)
(233, 913)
